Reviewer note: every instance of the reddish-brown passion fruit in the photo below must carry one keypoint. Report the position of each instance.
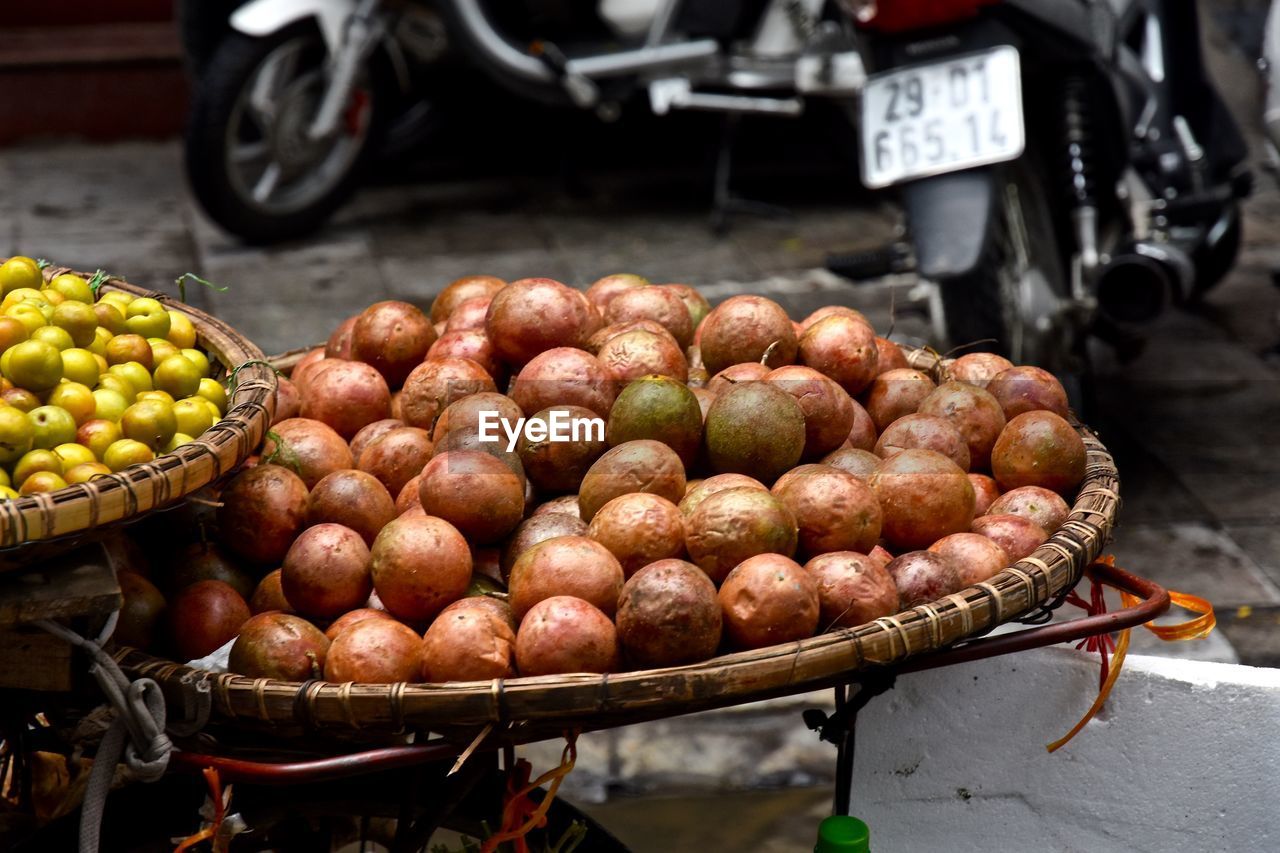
(566, 634)
(474, 492)
(747, 328)
(398, 556)
(853, 589)
(1039, 448)
(669, 615)
(844, 349)
(279, 646)
(533, 315)
(834, 510)
(263, 510)
(461, 290)
(924, 496)
(392, 337)
(566, 565)
(735, 524)
(769, 599)
(639, 529)
(635, 466)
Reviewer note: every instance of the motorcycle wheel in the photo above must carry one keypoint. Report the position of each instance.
(249, 158)
(1010, 304)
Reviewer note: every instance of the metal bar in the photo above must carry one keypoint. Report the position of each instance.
(642, 59)
(317, 769)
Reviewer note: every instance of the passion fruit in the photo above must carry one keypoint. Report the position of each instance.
(973, 411)
(828, 410)
(1045, 508)
(860, 463)
(853, 589)
(279, 646)
(566, 634)
(467, 413)
(204, 617)
(533, 315)
(436, 383)
(844, 349)
(339, 343)
(354, 499)
(639, 529)
(419, 564)
(735, 524)
(347, 396)
(833, 311)
(1019, 390)
(370, 433)
(307, 447)
(924, 496)
(269, 595)
(1017, 536)
(603, 290)
(669, 615)
(141, 610)
(834, 510)
(985, 491)
(539, 528)
(700, 490)
(924, 432)
(896, 393)
(564, 376)
(396, 457)
(641, 352)
(326, 572)
(979, 368)
(375, 651)
(747, 328)
(769, 599)
(263, 510)
(1039, 448)
(460, 291)
(736, 374)
(554, 465)
(634, 466)
(471, 344)
(566, 565)
(658, 408)
(697, 304)
(468, 316)
(351, 617)
(468, 643)
(474, 492)
(604, 334)
(891, 356)
(755, 428)
(924, 576)
(977, 558)
(203, 561)
(659, 304)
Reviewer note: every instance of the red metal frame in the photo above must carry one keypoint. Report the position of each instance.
(1155, 601)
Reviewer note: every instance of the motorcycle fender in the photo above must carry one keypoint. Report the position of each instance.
(263, 17)
(949, 217)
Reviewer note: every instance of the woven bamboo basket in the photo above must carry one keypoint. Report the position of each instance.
(526, 709)
(39, 525)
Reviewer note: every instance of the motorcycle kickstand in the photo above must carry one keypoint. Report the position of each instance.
(724, 203)
(840, 728)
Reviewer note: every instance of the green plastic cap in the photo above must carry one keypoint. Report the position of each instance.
(842, 834)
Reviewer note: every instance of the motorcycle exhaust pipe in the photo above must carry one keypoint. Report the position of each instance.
(1140, 280)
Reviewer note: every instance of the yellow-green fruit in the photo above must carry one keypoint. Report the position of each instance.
(46, 311)
(80, 365)
(16, 434)
(109, 404)
(177, 375)
(199, 359)
(29, 315)
(74, 398)
(8, 494)
(42, 481)
(126, 452)
(118, 298)
(98, 434)
(179, 439)
(51, 426)
(110, 317)
(78, 319)
(36, 460)
(163, 396)
(54, 336)
(101, 338)
(73, 454)
(161, 349)
(212, 390)
(214, 411)
(86, 471)
(147, 317)
(19, 272)
(53, 297)
(193, 415)
(73, 287)
(117, 383)
(23, 294)
(182, 334)
(4, 478)
(12, 331)
(150, 422)
(136, 375)
(33, 365)
(20, 398)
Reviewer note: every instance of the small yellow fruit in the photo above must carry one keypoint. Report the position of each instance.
(73, 454)
(80, 365)
(23, 294)
(111, 317)
(163, 396)
(147, 317)
(109, 404)
(179, 439)
(19, 398)
(16, 434)
(86, 471)
(124, 348)
(199, 359)
(19, 272)
(161, 349)
(28, 315)
(193, 415)
(8, 494)
(177, 375)
(137, 375)
(36, 460)
(73, 287)
(212, 390)
(98, 434)
(51, 426)
(4, 478)
(118, 298)
(42, 481)
(182, 334)
(126, 452)
(101, 338)
(34, 365)
(214, 411)
(122, 386)
(54, 336)
(12, 331)
(53, 297)
(150, 422)
(76, 399)
(78, 319)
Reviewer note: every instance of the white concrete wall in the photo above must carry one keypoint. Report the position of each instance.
(1186, 756)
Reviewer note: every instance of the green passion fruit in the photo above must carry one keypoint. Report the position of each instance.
(755, 428)
(658, 408)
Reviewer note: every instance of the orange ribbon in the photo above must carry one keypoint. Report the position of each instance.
(515, 826)
(1192, 629)
(219, 812)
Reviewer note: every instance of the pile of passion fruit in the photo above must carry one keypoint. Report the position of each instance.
(89, 383)
(754, 481)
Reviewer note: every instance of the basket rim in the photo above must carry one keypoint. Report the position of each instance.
(64, 515)
(530, 705)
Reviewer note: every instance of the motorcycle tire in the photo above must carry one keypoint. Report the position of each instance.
(214, 101)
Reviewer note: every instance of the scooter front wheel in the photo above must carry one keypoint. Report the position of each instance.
(253, 162)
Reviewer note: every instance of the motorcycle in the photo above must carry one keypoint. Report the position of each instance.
(1065, 167)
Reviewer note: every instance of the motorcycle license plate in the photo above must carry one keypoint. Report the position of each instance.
(942, 117)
